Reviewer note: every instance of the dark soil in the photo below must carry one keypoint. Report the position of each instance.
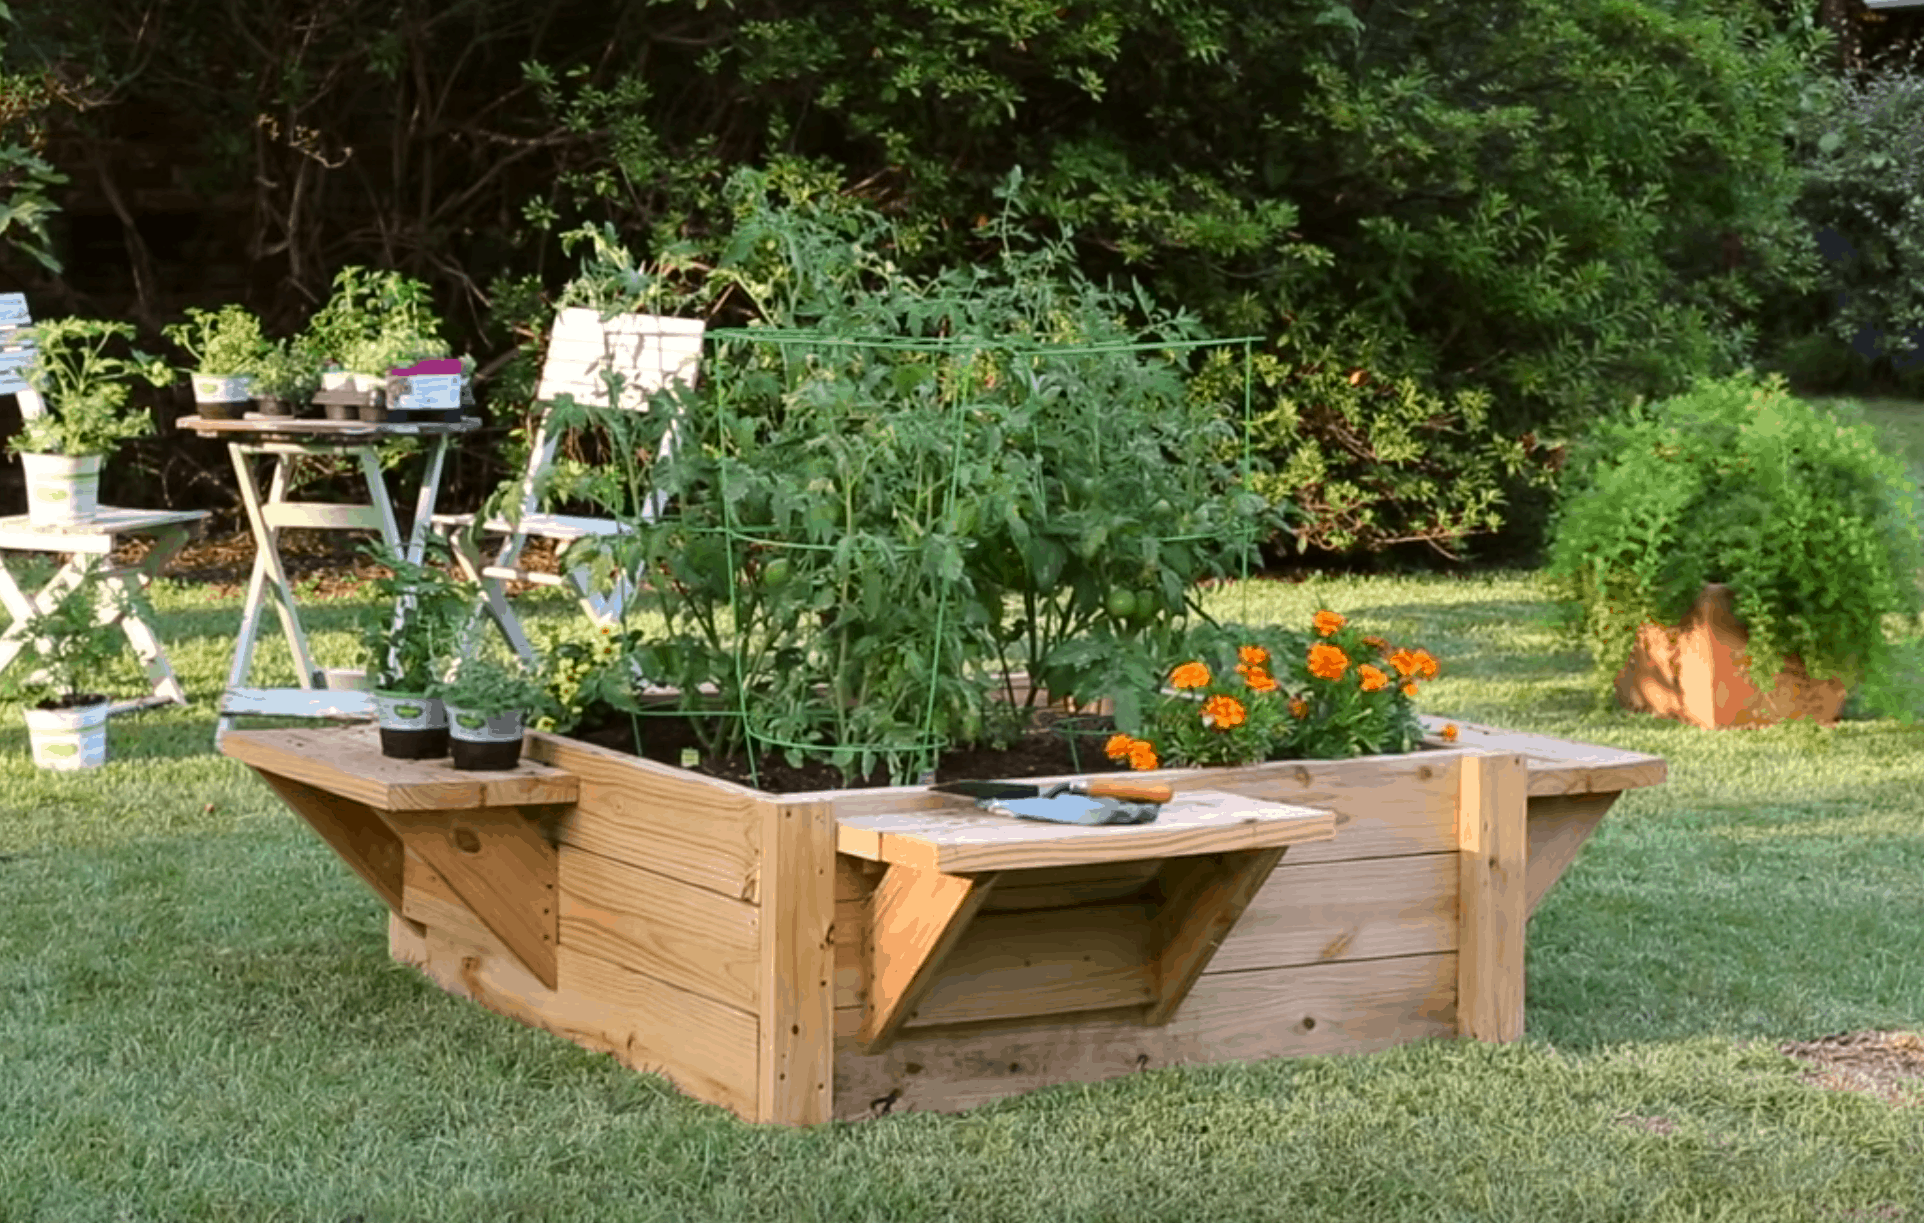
(1057, 745)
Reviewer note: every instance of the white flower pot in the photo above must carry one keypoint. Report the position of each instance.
(337, 380)
(69, 739)
(223, 388)
(61, 489)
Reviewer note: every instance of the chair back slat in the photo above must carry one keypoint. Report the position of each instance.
(648, 351)
(16, 354)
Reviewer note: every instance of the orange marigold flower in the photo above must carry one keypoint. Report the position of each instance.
(1142, 756)
(1118, 747)
(1356, 377)
(1223, 712)
(1425, 664)
(1298, 707)
(1409, 687)
(1253, 656)
(1448, 732)
(1327, 662)
(1190, 675)
(1258, 679)
(1327, 622)
(1372, 678)
(1404, 661)
(1376, 643)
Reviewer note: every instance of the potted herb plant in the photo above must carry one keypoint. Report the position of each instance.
(414, 629)
(226, 347)
(489, 703)
(1740, 548)
(286, 381)
(86, 418)
(68, 657)
(373, 321)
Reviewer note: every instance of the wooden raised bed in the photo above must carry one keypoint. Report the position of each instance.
(806, 956)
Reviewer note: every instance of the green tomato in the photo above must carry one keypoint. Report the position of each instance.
(776, 573)
(1121, 603)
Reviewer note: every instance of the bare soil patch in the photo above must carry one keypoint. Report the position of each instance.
(1888, 1065)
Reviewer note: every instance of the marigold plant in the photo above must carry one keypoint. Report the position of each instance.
(1247, 695)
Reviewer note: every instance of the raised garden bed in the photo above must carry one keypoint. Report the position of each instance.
(839, 953)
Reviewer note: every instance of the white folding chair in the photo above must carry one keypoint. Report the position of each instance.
(649, 353)
(86, 543)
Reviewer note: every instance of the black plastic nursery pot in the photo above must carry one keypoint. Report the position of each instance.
(476, 741)
(470, 754)
(273, 405)
(413, 726)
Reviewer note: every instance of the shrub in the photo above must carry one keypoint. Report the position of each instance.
(1799, 510)
(1862, 145)
(1371, 457)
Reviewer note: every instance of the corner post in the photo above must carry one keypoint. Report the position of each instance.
(1492, 837)
(795, 1076)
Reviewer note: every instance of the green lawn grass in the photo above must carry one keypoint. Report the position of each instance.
(198, 1020)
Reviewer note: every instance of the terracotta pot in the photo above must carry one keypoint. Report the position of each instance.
(1697, 672)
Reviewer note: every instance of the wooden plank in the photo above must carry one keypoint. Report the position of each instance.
(1559, 825)
(688, 936)
(296, 703)
(322, 516)
(1396, 805)
(688, 827)
(98, 536)
(1320, 1009)
(796, 1065)
(503, 869)
(1558, 766)
(430, 901)
(1015, 964)
(1492, 897)
(348, 762)
(915, 919)
(703, 1047)
(352, 829)
(965, 839)
(1370, 908)
(1205, 896)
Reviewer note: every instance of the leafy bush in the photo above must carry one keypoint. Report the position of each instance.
(1370, 458)
(1800, 511)
(1862, 145)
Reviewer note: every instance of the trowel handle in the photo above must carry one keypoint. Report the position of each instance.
(1134, 791)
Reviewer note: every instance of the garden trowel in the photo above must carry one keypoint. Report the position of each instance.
(1068, 802)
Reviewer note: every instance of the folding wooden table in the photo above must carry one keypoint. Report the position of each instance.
(97, 537)
(323, 693)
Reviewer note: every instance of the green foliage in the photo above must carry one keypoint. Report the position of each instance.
(287, 371)
(26, 176)
(66, 651)
(1862, 145)
(373, 322)
(1798, 510)
(85, 386)
(1245, 694)
(579, 676)
(902, 489)
(490, 687)
(1370, 456)
(416, 627)
(223, 343)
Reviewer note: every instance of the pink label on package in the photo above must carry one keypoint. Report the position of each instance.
(433, 365)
